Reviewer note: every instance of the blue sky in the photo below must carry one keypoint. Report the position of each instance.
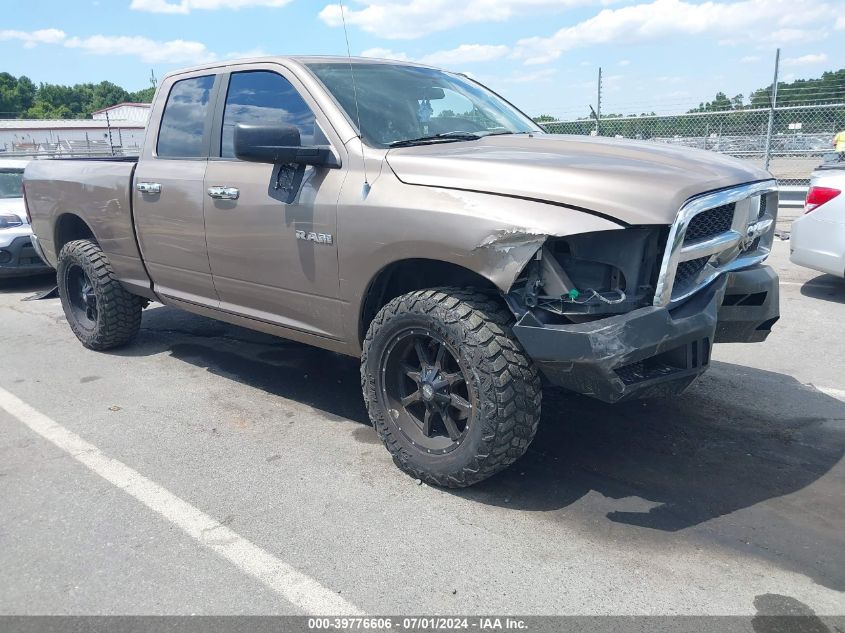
(661, 55)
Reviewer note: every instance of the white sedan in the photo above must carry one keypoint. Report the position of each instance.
(17, 255)
(818, 236)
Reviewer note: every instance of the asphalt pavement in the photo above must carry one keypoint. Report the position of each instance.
(207, 469)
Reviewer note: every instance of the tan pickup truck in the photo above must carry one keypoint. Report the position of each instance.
(414, 218)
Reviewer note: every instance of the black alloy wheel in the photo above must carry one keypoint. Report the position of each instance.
(426, 391)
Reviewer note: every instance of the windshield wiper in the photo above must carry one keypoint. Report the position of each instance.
(445, 136)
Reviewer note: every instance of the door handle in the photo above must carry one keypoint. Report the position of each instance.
(148, 187)
(224, 193)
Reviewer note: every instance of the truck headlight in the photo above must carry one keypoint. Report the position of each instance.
(9, 220)
(591, 275)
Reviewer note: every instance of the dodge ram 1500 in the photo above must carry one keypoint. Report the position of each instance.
(416, 219)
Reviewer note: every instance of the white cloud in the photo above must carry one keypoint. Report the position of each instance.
(463, 54)
(186, 6)
(789, 36)
(789, 19)
(625, 62)
(32, 39)
(466, 53)
(146, 49)
(750, 59)
(151, 51)
(805, 60)
(410, 19)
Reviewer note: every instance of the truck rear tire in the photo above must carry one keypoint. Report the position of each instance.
(100, 311)
(448, 388)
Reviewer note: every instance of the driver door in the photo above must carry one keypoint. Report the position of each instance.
(262, 262)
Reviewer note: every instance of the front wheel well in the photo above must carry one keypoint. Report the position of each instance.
(408, 275)
(70, 227)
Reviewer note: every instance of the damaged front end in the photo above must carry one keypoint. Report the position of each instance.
(594, 312)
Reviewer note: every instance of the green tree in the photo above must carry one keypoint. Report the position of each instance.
(20, 97)
(17, 95)
(142, 96)
(829, 88)
(106, 94)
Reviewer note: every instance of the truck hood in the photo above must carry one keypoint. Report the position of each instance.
(631, 181)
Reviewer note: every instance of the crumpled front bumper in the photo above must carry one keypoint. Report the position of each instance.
(654, 351)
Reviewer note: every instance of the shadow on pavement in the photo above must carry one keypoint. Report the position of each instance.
(785, 614)
(739, 437)
(34, 283)
(826, 288)
(324, 380)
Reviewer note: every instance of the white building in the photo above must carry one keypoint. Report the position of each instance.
(138, 112)
(117, 129)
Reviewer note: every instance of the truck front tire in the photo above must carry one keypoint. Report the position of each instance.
(448, 388)
(100, 311)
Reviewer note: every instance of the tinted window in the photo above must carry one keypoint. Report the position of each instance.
(182, 125)
(263, 97)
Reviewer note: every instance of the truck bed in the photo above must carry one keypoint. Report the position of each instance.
(98, 190)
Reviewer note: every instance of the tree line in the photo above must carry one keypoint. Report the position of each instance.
(21, 98)
(813, 106)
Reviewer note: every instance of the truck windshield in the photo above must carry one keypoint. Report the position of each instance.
(10, 183)
(406, 105)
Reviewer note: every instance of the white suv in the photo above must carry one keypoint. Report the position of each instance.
(17, 255)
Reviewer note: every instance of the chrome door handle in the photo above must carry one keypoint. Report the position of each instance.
(148, 187)
(224, 193)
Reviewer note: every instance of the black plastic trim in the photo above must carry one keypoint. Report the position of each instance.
(600, 358)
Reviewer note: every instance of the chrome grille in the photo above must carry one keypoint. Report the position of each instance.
(710, 223)
(716, 233)
(688, 271)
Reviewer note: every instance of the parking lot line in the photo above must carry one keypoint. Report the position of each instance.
(298, 588)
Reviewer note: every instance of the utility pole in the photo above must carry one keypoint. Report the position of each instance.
(598, 104)
(153, 80)
(108, 125)
(773, 104)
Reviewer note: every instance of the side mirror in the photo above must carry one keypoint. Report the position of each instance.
(279, 144)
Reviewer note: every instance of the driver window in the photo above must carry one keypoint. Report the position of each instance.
(263, 97)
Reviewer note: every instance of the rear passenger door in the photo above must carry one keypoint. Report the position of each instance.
(261, 268)
(169, 192)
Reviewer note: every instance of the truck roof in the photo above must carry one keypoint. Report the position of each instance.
(300, 60)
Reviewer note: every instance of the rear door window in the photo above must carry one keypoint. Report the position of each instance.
(264, 97)
(181, 134)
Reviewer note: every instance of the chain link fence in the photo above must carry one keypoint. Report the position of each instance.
(801, 137)
(68, 149)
